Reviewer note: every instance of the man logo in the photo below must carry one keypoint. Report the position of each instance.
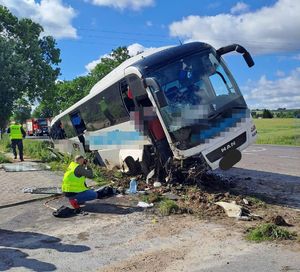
(228, 146)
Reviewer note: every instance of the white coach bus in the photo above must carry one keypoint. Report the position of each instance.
(204, 117)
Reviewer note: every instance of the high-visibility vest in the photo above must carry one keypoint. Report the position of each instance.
(15, 132)
(71, 183)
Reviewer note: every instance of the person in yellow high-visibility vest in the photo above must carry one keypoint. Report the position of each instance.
(16, 134)
(74, 186)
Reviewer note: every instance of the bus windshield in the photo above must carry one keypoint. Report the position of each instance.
(198, 90)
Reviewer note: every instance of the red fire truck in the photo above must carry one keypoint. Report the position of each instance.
(37, 126)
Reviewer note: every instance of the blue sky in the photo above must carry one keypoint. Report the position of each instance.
(270, 29)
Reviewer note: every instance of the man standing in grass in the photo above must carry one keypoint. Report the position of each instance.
(16, 133)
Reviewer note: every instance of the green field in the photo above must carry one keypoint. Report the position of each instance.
(281, 131)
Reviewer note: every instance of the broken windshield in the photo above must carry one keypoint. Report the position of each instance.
(198, 89)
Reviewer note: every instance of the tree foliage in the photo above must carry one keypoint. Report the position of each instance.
(68, 92)
(28, 62)
(21, 111)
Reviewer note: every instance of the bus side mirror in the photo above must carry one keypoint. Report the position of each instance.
(247, 57)
(159, 94)
(238, 48)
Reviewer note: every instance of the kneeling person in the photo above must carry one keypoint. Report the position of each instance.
(74, 186)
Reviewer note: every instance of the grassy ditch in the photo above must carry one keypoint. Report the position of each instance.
(269, 232)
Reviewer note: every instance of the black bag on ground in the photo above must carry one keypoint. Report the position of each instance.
(64, 212)
(105, 191)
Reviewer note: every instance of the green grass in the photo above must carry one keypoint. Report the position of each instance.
(167, 207)
(38, 150)
(5, 144)
(269, 232)
(281, 131)
(3, 158)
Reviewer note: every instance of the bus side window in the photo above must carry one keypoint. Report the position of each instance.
(127, 96)
(78, 122)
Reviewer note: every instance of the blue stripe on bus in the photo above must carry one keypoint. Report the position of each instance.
(115, 137)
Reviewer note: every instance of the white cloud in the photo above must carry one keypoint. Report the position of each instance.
(239, 7)
(133, 50)
(123, 4)
(283, 92)
(149, 23)
(53, 15)
(266, 30)
(280, 73)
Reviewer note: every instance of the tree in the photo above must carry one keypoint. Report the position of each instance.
(66, 93)
(267, 114)
(22, 110)
(27, 62)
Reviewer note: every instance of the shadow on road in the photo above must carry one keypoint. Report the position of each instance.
(33, 240)
(109, 208)
(273, 188)
(10, 258)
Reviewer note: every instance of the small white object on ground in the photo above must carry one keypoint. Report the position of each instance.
(150, 175)
(156, 184)
(231, 209)
(144, 204)
(245, 201)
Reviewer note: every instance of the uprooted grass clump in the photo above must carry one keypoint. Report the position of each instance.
(152, 198)
(269, 232)
(167, 207)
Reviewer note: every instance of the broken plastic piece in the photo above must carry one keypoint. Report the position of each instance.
(144, 204)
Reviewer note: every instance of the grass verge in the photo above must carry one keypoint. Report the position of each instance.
(281, 131)
(269, 232)
(4, 159)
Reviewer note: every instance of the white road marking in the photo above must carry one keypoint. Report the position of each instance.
(254, 150)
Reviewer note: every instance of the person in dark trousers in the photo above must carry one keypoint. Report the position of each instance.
(17, 133)
(74, 186)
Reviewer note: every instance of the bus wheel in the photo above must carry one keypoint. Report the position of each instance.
(133, 166)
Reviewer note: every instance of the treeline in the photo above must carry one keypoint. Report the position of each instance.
(279, 113)
(29, 71)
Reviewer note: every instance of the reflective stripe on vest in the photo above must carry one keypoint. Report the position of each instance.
(15, 132)
(71, 183)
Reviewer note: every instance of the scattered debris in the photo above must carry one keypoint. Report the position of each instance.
(246, 202)
(171, 196)
(25, 166)
(279, 221)
(144, 204)
(43, 190)
(236, 211)
(156, 184)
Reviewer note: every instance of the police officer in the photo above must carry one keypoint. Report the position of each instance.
(16, 133)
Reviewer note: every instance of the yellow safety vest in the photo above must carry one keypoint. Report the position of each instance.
(15, 132)
(71, 183)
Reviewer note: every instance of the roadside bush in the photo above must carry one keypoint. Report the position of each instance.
(269, 232)
(3, 158)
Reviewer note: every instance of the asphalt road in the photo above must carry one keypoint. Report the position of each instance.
(272, 158)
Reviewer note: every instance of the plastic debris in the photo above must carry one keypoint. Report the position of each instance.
(25, 166)
(157, 184)
(144, 204)
(43, 190)
(237, 211)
